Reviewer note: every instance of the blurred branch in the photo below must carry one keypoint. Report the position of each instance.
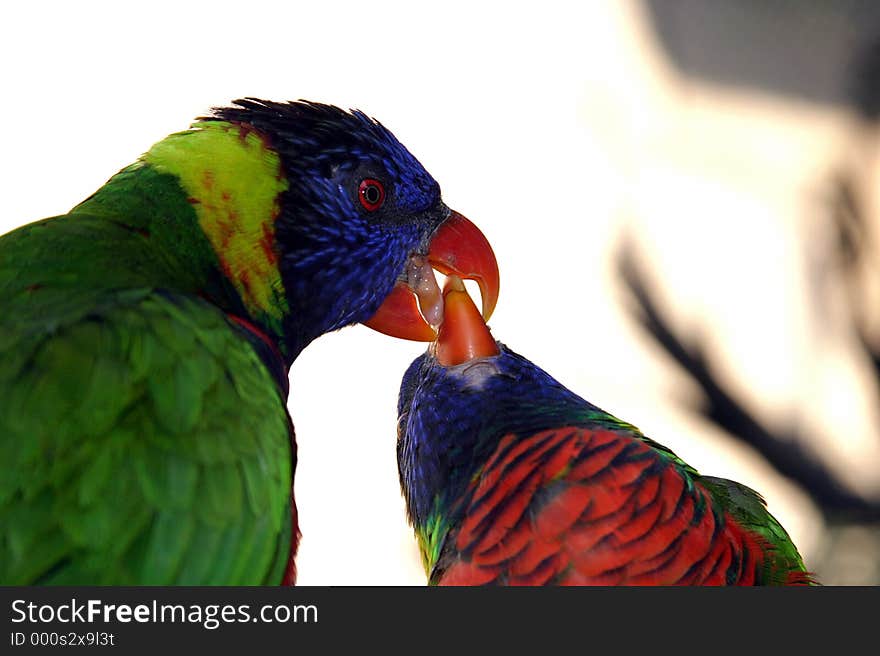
(854, 242)
(847, 208)
(782, 450)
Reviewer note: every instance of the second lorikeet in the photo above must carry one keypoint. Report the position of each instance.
(510, 478)
(146, 337)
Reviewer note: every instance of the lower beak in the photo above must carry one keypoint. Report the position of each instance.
(414, 308)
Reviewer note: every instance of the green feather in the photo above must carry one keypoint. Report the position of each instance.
(101, 486)
(143, 439)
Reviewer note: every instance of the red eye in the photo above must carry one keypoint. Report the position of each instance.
(372, 194)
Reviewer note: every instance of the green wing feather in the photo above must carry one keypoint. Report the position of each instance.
(749, 509)
(143, 442)
(142, 439)
(784, 563)
(746, 506)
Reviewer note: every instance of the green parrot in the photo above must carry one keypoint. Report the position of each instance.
(146, 337)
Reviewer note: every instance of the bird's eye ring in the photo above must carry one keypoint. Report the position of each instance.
(371, 194)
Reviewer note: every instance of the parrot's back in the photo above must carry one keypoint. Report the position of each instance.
(581, 505)
(143, 438)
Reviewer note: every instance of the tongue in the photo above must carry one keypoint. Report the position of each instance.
(420, 278)
(464, 335)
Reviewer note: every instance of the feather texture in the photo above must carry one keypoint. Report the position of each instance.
(531, 485)
(146, 338)
(146, 443)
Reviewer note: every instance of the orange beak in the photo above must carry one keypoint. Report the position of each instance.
(464, 335)
(414, 308)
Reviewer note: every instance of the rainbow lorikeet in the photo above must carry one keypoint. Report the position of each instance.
(146, 337)
(510, 478)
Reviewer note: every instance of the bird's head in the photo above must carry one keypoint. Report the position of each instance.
(461, 397)
(361, 225)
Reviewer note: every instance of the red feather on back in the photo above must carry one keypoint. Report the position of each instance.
(573, 506)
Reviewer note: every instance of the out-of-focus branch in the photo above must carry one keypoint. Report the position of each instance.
(854, 243)
(782, 450)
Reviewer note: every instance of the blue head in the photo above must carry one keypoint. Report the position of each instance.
(451, 418)
(357, 207)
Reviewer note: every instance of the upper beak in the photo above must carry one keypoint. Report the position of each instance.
(414, 308)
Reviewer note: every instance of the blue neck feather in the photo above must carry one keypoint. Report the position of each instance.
(452, 418)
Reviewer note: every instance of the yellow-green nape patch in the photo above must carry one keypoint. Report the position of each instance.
(234, 181)
(430, 538)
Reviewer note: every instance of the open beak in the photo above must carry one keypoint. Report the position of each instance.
(414, 308)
